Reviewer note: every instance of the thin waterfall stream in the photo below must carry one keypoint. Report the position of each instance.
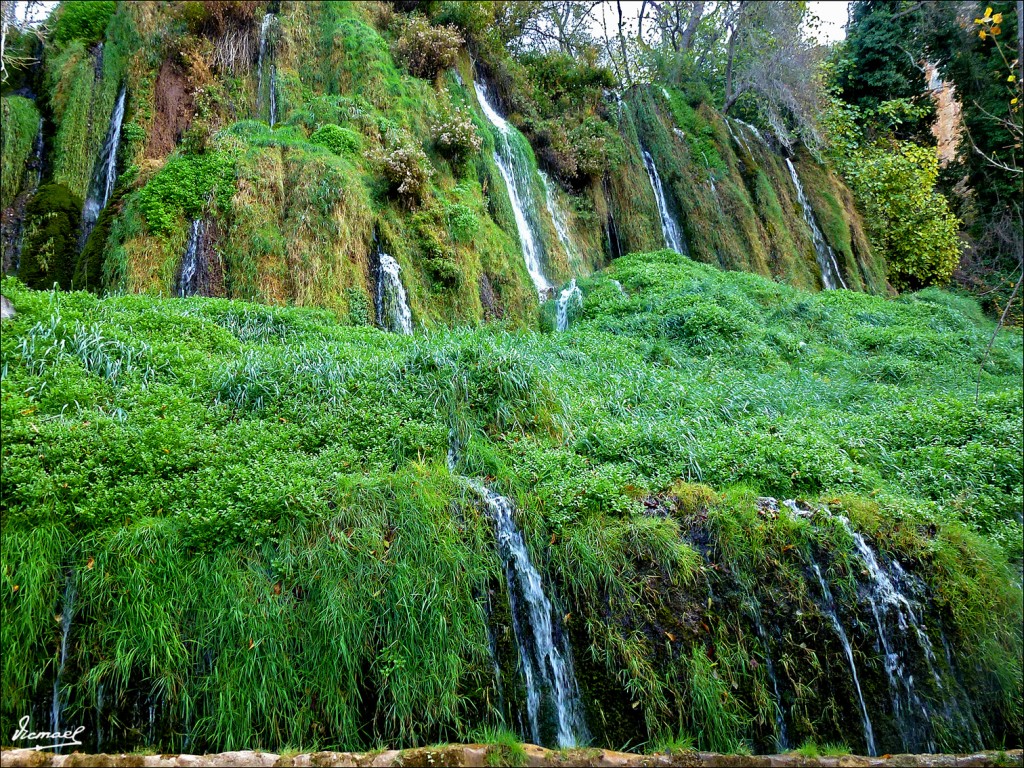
(545, 657)
(831, 277)
(553, 704)
(105, 174)
(559, 217)
(570, 295)
(669, 226)
(265, 61)
(66, 614)
(393, 311)
(513, 164)
(188, 281)
(828, 606)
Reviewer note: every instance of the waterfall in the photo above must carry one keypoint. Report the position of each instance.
(781, 739)
(105, 174)
(831, 277)
(830, 611)
(266, 52)
(618, 285)
(558, 216)
(66, 613)
(673, 235)
(890, 606)
(514, 166)
(570, 294)
(188, 284)
(546, 660)
(393, 312)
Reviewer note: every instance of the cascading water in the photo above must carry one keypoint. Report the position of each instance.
(392, 305)
(781, 739)
(558, 216)
(105, 175)
(618, 285)
(831, 277)
(669, 227)
(894, 615)
(66, 613)
(546, 662)
(513, 164)
(828, 606)
(570, 295)
(266, 55)
(188, 280)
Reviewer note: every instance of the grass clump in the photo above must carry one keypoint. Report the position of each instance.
(504, 749)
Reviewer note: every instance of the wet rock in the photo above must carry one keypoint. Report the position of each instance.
(6, 308)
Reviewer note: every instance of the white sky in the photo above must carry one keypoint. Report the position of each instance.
(832, 15)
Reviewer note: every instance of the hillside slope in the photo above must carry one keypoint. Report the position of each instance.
(272, 153)
(263, 529)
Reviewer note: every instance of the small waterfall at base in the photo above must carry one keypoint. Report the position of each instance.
(890, 606)
(547, 662)
(831, 277)
(781, 739)
(618, 285)
(669, 227)
(393, 311)
(559, 218)
(188, 283)
(828, 606)
(105, 175)
(510, 157)
(266, 53)
(570, 294)
(66, 614)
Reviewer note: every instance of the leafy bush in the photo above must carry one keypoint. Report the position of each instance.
(455, 135)
(83, 20)
(426, 50)
(341, 141)
(184, 186)
(407, 171)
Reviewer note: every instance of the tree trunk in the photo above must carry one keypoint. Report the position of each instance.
(696, 14)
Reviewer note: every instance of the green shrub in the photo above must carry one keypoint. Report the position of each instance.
(185, 185)
(341, 141)
(426, 50)
(455, 135)
(407, 171)
(83, 20)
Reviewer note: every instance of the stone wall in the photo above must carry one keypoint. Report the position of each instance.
(473, 755)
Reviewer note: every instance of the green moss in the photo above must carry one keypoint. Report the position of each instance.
(89, 268)
(52, 221)
(20, 125)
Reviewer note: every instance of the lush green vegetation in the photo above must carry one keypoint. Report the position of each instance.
(238, 493)
(20, 125)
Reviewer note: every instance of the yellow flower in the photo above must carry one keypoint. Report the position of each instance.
(995, 30)
(982, 34)
(998, 18)
(988, 11)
